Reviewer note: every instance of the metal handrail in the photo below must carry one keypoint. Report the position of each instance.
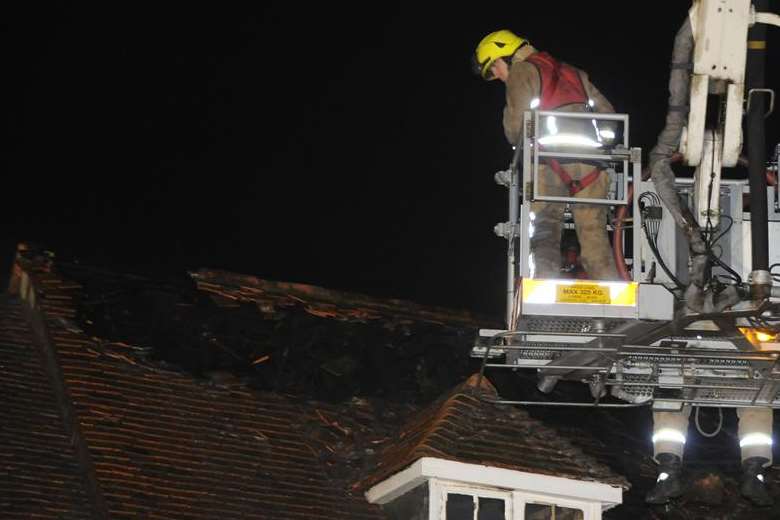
(509, 334)
(556, 367)
(563, 349)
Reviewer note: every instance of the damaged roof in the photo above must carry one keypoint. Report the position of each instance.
(157, 443)
(230, 289)
(234, 396)
(280, 337)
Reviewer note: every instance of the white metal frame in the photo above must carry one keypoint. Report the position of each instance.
(531, 148)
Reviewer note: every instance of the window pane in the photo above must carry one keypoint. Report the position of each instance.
(460, 507)
(567, 513)
(413, 505)
(538, 512)
(491, 509)
(547, 512)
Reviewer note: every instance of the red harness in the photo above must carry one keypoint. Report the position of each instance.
(575, 186)
(560, 84)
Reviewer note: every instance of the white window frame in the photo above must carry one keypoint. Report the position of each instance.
(590, 510)
(515, 501)
(442, 488)
(521, 488)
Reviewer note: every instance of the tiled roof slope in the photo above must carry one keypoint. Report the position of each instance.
(164, 445)
(39, 472)
(464, 428)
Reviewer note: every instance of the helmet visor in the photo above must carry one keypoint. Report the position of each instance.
(478, 67)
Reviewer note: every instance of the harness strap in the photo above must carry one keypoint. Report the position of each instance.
(575, 186)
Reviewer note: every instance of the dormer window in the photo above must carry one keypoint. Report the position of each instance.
(447, 465)
(461, 502)
(435, 489)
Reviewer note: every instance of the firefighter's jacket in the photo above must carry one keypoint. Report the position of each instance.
(524, 85)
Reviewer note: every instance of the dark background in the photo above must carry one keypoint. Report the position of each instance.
(348, 147)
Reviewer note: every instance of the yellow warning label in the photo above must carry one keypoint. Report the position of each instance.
(582, 293)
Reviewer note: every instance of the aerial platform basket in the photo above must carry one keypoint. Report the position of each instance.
(631, 339)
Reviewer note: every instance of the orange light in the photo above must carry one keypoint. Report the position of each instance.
(756, 337)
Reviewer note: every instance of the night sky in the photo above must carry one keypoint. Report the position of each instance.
(348, 147)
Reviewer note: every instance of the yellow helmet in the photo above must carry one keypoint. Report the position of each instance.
(499, 44)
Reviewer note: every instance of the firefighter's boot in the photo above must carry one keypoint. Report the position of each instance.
(547, 384)
(598, 387)
(670, 483)
(753, 486)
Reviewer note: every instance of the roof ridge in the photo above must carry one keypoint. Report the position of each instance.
(210, 280)
(444, 411)
(436, 423)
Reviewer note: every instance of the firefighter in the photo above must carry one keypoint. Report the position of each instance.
(533, 80)
(670, 432)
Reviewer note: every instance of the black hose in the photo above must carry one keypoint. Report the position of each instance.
(756, 143)
(661, 262)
